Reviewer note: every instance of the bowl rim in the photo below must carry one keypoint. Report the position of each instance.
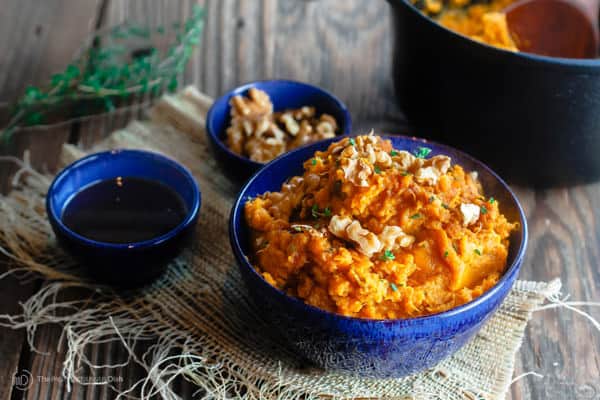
(94, 157)
(246, 86)
(506, 277)
(585, 63)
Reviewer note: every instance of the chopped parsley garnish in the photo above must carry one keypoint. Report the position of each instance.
(484, 210)
(388, 256)
(405, 173)
(377, 170)
(352, 142)
(415, 216)
(316, 213)
(492, 200)
(422, 152)
(393, 153)
(393, 286)
(446, 254)
(446, 206)
(478, 252)
(314, 161)
(431, 199)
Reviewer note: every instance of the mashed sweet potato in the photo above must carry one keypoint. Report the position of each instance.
(480, 20)
(375, 232)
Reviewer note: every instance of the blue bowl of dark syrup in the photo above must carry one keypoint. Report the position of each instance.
(124, 214)
(367, 347)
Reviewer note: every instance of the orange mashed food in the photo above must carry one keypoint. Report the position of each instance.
(374, 232)
(483, 21)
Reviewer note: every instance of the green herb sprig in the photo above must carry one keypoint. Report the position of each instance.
(422, 152)
(316, 213)
(119, 63)
(388, 256)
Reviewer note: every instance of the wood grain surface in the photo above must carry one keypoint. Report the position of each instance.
(345, 47)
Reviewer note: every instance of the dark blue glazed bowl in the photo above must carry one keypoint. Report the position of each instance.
(377, 348)
(127, 264)
(534, 119)
(284, 95)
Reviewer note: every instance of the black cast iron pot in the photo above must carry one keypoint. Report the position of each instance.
(535, 119)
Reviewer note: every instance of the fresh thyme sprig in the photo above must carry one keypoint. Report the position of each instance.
(119, 63)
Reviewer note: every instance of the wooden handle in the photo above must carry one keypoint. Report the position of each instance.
(591, 8)
(557, 28)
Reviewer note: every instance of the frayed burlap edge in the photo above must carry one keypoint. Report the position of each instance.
(197, 315)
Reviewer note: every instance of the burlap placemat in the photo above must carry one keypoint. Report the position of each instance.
(198, 313)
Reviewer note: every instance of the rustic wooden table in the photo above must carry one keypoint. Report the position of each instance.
(343, 46)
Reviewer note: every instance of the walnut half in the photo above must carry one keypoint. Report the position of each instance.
(470, 213)
(346, 228)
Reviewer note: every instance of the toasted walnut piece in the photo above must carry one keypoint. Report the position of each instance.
(394, 234)
(404, 159)
(346, 228)
(357, 171)
(235, 139)
(272, 132)
(383, 159)
(340, 146)
(262, 126)
(324, 130)
(255, 106)
(291, 126)
(285, 201)
(440, 162)
(432, 169)
(303, 136)
(304, 113)
(338, 225)
(239, 106)
(263, 150)
(278, 133)
(427, 175)
(293, 185)
(328, 119)
(248, 127)
(312, 181)
(367, 241)
(364, 171)
(349, 152)
(470, 213)
(369, 153)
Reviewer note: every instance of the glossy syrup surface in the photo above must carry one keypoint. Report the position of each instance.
(124, 210)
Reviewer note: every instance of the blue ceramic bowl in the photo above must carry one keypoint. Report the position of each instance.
(284, 95)
(377, 348)
(533, 118)
(127, 264)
